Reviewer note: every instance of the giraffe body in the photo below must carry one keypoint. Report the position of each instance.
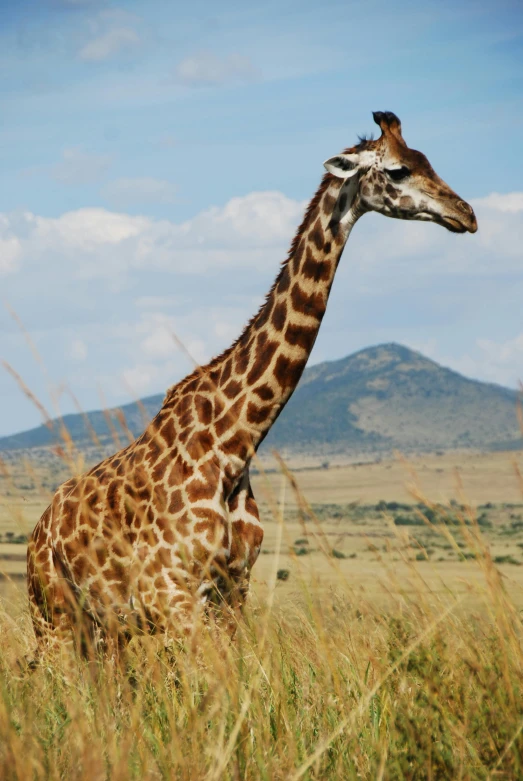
(169, 523)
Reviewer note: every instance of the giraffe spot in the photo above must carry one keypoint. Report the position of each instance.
(210, 471)
(140, 478)
(218, 404)
(262, 361)
(328, 203)
(118, 548)
(184, 405)
(261, 340)
(242, 360)
(180, 472)
(184, 434)
(160, 468)
(262, 317)
(69, 510)
(154, 449)
(200, 554)
(284, 281)
(334, 227)
(251, 506)
(100, 552)
(388, 203)
(176, 503)
(257, 415)
(288, 372)
(211, 518)
(139, 455)
(391, 190)
(314, 213)
(230, 417)
(214, 377)
(234, 502)
(203, 408)
(199, 444)
(301, 336)
(365, 189)
(279, 315)
(232, 389)
(378, 189)
(265, 392)
(168, 430)
(112, 495)
(198, 490)
(327, 248)
(406, 202)
(191, 387)
(226, 372)
(129, 512)
(117, 572)
(80, 567)
(316, 235)
(186, 419)
(237, 444)
(342, 203)
(159, 582)
(160, 498)
(316, 269)
(169, 536)
(305, 303)
(223, 424)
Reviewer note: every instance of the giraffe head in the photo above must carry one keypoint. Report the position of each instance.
(388, 177)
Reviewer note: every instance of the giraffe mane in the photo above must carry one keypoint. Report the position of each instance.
(214, 362)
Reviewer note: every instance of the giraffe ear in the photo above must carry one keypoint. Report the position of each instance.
(348, 164)
(342, 166)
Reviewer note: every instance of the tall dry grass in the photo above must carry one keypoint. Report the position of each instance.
(324, 685)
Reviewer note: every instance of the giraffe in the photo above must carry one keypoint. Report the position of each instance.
(169, 525)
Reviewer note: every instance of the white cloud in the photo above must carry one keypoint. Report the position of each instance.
(80, 167)
(121, 39)
(252, 233)
(141, 379)
(208, 69)
(486, 359)
(202, 279)
(96, 242)
(128, 191)
(114, 32)
(10, 247)
(396, 254)
(506, 202)
(163, 347)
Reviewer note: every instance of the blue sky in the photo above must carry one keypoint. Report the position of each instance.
(156, 159)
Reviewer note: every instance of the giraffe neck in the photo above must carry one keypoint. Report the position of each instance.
(255, 378)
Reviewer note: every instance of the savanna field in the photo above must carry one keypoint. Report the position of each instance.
(382, 639)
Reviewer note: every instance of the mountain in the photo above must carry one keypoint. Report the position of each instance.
(377, 400)
(390, 397)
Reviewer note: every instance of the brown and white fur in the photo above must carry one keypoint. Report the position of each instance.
(169, 523)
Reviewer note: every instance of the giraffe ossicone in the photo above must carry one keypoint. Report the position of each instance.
(169, 524)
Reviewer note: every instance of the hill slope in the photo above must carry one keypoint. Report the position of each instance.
(377, 400)
(389, 397)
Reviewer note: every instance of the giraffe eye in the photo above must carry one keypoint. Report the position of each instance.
(397, 174)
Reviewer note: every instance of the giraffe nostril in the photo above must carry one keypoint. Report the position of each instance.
(464, 206)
